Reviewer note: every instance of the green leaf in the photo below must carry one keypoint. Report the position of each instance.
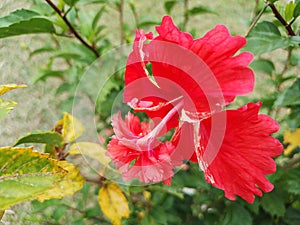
(291, 181)
(200, 10)
(5, 107)
(266, 37)
(290, 96)
(50, 138)
(289, 11)
(168, 5)
(294, 117)
(263, 65)
(48, 73)
(97, 17)
(25, 174)
(297, 10)
(147, 21)
(292, 216)
(273, 203)
(71, 2)
(24, 21)
(235, 214)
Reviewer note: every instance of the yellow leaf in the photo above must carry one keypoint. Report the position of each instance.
(113, 203)
(9, 87)
(293, 138)
(97, 152)
(70, 183)
(69, 127)
(92, 150)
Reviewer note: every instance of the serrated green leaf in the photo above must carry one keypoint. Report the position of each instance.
(168, 5)
(25, 174)
(50, 138)
(265, 37)
(24, 21)
(291, 181)
(290, 96)
(273, 203)
(235, 214)
(71, 182)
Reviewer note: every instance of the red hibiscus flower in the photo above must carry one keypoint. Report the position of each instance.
(183, 83)
(137, 153)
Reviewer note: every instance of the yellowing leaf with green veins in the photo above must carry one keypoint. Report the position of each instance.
(69, 127)
(113, 203)
(70, 183)
(26, 174)
(9, 87)
(5, 107)
(293, 138)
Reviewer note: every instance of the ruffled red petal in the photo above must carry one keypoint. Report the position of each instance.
(150, 162)
(245, 157)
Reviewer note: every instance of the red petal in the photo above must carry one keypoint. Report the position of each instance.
(245, 157)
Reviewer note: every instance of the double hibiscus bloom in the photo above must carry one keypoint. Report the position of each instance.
(183, 85)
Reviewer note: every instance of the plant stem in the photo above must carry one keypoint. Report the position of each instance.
(186, 15)
(72, 29)
(281, 19)
(255, 10)
(121, 22)
(256, 19)
(292, 162)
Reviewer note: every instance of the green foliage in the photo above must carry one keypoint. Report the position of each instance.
(24, 22)
(266, 37)
(291, 96)
(50, 138)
